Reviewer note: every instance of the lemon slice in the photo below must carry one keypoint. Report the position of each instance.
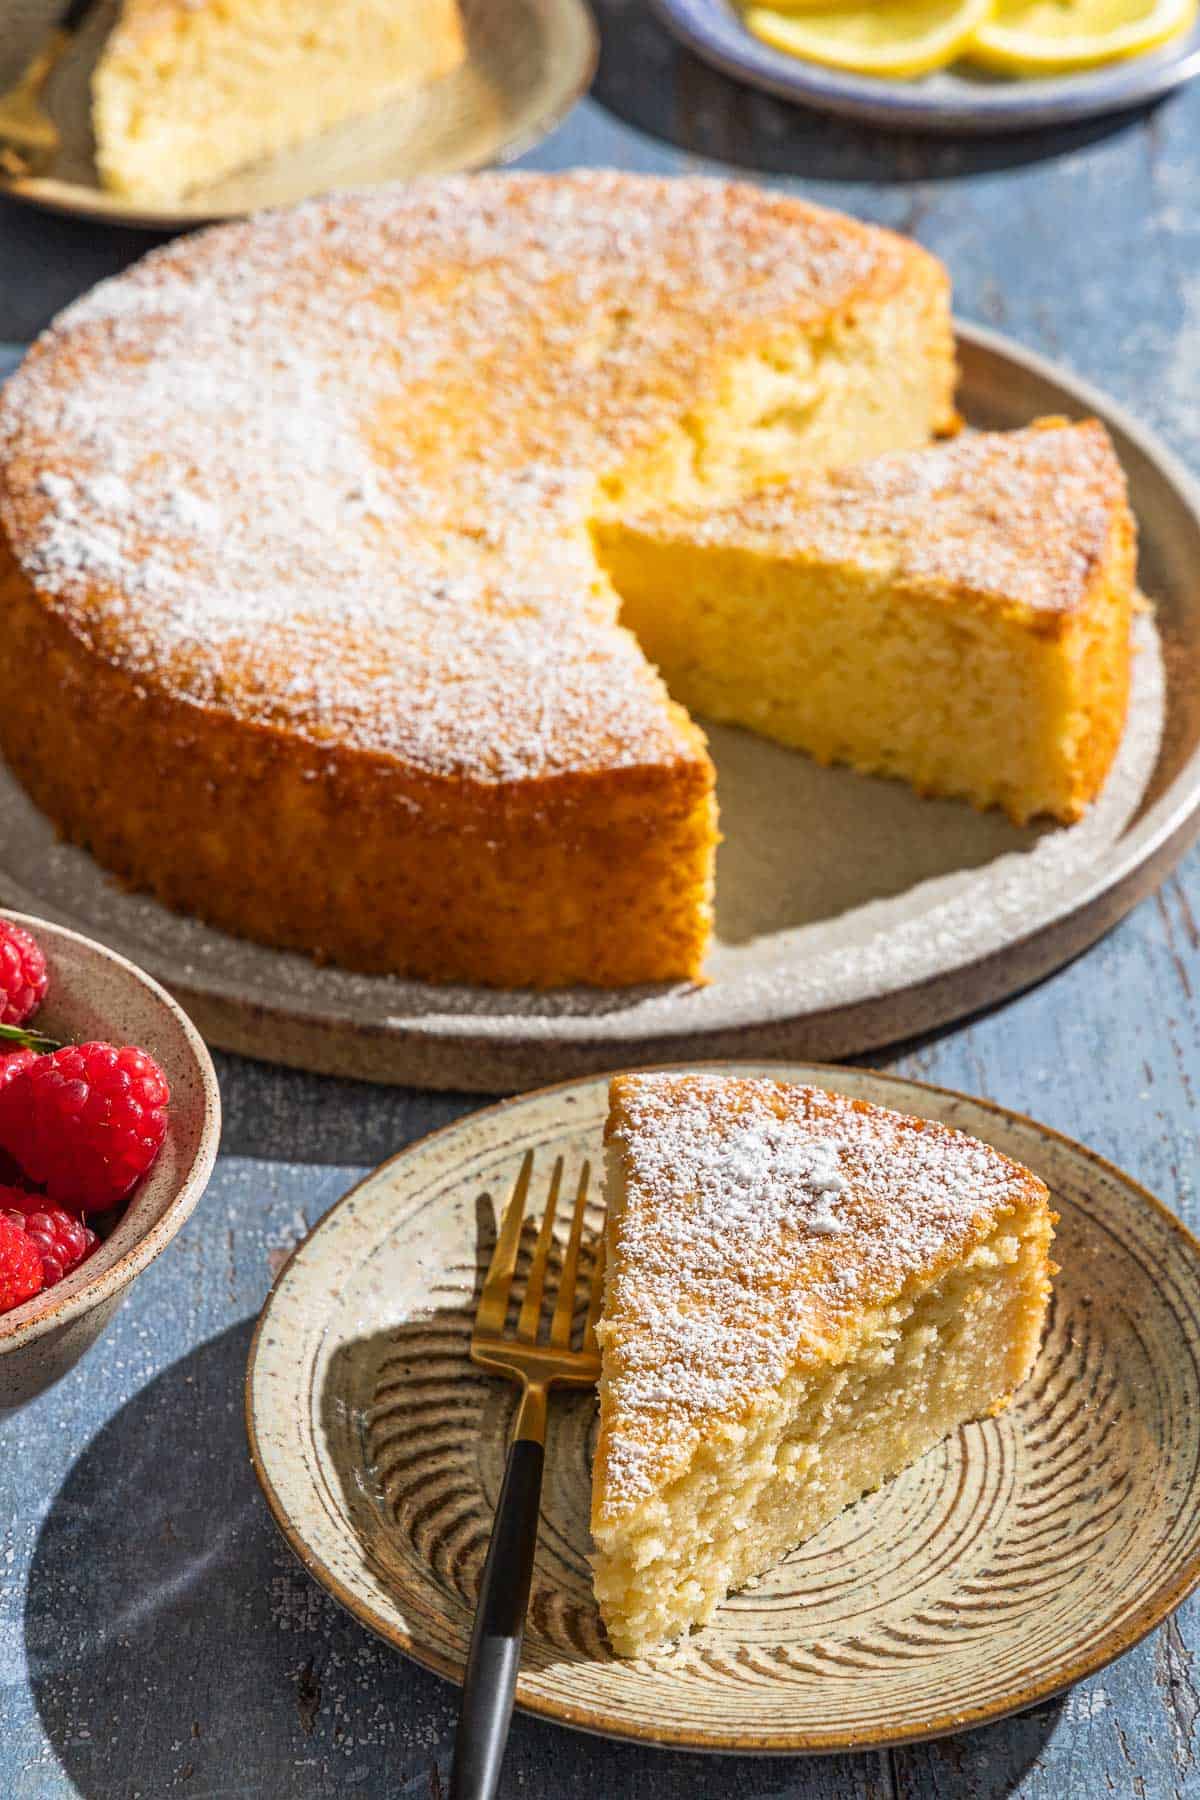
(882, 37)
(1048, 37)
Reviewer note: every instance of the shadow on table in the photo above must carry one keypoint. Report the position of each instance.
(173, 1640)
(651, 82)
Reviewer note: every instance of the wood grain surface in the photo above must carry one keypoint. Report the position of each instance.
(155, 1635)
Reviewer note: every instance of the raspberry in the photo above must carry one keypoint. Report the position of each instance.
(12, 1064)
(20, 1265)
(62, 1238)
(23, 978)
(86, 1122)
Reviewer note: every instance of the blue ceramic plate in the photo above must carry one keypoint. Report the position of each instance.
(953, 100)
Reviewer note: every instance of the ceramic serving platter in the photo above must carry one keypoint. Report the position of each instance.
(1020, 1555)
(527, 63)
(959, 100)
(850, 913)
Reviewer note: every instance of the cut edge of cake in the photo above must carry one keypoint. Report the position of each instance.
(957, 616)
(804, 1294)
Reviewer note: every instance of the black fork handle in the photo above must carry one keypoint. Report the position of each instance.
(495, 1654)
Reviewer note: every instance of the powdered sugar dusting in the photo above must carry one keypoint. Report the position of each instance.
(763, 1173)
(1022, 517)
(755, 1214)
(333, 465)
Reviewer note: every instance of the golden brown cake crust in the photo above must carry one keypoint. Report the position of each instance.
(310, 493)
(350, 856)
(759, 1218)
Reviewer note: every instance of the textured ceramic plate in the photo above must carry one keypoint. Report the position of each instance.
(1020, 1555)
(959, 99)
(849, 912)
(527, 63)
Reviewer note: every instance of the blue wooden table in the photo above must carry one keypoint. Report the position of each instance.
(155, 1635)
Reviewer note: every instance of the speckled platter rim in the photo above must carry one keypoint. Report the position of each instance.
(948, 102)
(1003, 1127)
(476, 1045)
(83, 1290)
(569, 50)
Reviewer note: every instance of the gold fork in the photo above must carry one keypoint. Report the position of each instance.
(495, 1653)
(28, 135)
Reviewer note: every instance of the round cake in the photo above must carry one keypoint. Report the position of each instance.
(305, 628)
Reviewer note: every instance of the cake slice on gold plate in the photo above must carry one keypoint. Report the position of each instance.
(958, 615)
(186, 91)
(804, 1294)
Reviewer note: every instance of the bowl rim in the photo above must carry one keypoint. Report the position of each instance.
(16, 1332)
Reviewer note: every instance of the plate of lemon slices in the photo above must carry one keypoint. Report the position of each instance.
(949, 65)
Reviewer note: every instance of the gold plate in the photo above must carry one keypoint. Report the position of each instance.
(1022, 1554)
(527, 63)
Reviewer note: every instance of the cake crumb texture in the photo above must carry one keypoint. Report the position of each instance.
(187, 91)
(804, 1293)
(958, 616)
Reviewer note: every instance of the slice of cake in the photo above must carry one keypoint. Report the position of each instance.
(957, 616)
(186, 91)
(804, 1294)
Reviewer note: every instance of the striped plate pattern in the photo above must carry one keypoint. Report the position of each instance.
(1019, 1555)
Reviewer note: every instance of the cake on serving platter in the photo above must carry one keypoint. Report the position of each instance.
(295, 523)
(804, 1293)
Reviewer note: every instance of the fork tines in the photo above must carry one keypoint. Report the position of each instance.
(494, 1301)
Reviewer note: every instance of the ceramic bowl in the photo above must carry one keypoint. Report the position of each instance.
(96, 994)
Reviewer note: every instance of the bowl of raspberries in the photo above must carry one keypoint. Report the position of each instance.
(109, 1121)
